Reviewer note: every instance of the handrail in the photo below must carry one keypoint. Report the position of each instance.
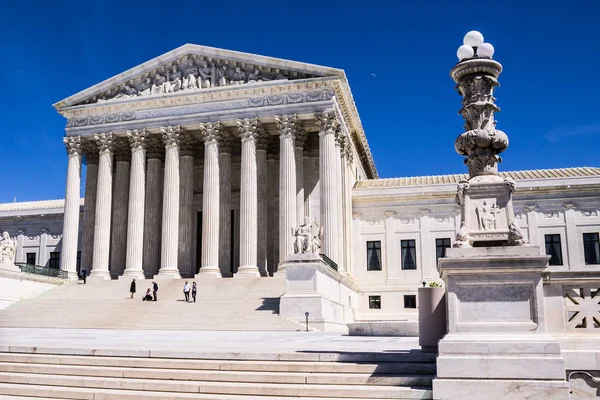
(41, 270)
(332, 264)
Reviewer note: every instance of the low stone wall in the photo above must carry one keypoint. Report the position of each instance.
(324, 293)
(384, 328)
(16, 286)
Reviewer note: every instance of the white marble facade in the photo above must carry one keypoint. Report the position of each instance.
(204, 160)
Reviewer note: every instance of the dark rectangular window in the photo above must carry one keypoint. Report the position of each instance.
(410, 301)
(591, 248)
(375, 302)
(553, 249)
(409, 254)
(440, 247)
(374, 255)
(30, 258)
(54, 260)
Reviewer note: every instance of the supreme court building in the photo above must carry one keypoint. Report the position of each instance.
(204, 161)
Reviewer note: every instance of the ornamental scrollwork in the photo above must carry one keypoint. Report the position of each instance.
(288, 125)
(249, 128)
(73, 145)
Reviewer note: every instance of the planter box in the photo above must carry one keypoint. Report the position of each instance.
(432, 317)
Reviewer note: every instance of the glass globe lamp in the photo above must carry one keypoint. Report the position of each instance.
(485, 50)
(473, 39)
(464, 51)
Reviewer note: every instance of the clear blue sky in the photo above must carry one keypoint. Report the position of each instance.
(397, 56)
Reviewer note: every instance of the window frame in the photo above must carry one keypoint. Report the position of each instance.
(375, 248)
(551, 236)
(408, 247)
(412, 300)
(437, 256)
(34, 254)
(375, 300)
(54, 259)
(593, 238)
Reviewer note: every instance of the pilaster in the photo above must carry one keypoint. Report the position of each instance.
(120, 204)
(187, 233)
(89, 207)
(574, 257)
(153, 205)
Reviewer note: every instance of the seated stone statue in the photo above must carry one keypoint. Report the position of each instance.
(308, 237)
(8, 249)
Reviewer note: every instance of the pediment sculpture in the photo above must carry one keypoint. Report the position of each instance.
(8, 249)
(193, 73)
(307, 237)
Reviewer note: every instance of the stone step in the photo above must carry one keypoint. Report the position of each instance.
(225, 362)
(150, 372)
(42, 392)
(220, 388)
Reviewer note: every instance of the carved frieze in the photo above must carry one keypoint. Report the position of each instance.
(191, 73)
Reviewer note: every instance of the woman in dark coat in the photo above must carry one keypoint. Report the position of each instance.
(132, 288)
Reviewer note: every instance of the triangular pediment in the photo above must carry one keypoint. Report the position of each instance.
(192, 67)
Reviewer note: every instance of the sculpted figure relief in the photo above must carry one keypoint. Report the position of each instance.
(190, 80)
(487, 216)
(189, 74)
(308, 237)
(7, 249)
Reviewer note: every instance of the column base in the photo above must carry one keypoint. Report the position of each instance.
(209, 271)
(133, 274)
(72, 275)
(97, 275)
(248, 271)
(168, 274)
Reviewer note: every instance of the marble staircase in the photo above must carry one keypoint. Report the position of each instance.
(218, 376)
(222, 304)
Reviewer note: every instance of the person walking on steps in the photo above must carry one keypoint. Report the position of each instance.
(155, 290)
(84, 274)
(132, 288)
(186, 291)
(194, 290)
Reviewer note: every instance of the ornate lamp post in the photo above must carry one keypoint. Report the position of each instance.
(485, 198)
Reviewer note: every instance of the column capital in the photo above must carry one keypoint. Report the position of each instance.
(249, 128)
(73, 145)
(90, 151)
(327, 122)
(211, 131)
(225, 142)
(137, 139)
(188, 144)
(154, 147)
(301, 138)
(287, 125)
(104, 141)
(121, 149)
(264, 140)
(171, 135)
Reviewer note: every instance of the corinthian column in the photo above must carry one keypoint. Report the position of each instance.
(137, 197)
(328, 167)
(89, 208)
(153, 205)
(340, 143)
(211, 133)
(300, 141)
(225, 205)
(262, 193)
(118, 241)
(249, 130)
(103, 207)
(288, 129)
(68, 260)
(187, 232)
(170, 220)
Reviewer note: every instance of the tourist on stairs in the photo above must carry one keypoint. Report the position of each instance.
(194, 290)
(148, 296)
(186, 291)
(132, 288)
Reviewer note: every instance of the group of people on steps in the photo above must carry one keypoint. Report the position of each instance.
(151, 295)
